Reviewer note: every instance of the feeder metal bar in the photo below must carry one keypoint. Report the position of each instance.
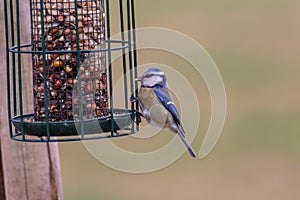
(19, 67)
(7, 68)
(79, 73)
(130, 61)
(13, 57)
(123, 54)
(110, 67)
(135, 59)
(44, 71)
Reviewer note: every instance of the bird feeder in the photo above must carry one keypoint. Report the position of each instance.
(72, 71)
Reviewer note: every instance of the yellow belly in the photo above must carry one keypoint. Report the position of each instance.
(155, 113)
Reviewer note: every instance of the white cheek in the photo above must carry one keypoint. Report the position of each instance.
(152, 80)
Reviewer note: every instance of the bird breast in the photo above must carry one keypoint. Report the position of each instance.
(152, 109)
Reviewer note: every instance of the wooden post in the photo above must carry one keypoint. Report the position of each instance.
(28, 171)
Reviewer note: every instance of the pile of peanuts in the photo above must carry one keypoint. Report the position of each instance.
(63, 75)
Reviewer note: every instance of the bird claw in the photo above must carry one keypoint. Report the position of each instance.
(138, 117)
(133, 99)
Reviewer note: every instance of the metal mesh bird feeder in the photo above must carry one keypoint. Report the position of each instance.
(72, 71)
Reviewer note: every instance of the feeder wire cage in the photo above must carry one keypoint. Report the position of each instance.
(72, 70)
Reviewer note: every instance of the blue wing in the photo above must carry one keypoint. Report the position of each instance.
(165, 98)
(167, 101)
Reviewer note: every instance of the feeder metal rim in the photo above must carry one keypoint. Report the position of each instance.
(122, 119)
(15, 49)
(18, 117)
(15, 118)
(18, 138)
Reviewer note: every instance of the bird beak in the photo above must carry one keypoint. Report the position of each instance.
(138, 79)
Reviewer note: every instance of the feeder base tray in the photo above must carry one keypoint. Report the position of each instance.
(122, 120)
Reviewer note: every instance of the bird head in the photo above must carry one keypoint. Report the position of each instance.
(153, 77)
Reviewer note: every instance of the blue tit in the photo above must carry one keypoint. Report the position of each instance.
(157, 106)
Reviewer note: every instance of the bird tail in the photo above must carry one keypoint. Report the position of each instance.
(187, 144)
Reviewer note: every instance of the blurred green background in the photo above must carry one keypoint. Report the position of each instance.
(256, 47)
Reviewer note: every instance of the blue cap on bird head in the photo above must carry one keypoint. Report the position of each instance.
(152, 77)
